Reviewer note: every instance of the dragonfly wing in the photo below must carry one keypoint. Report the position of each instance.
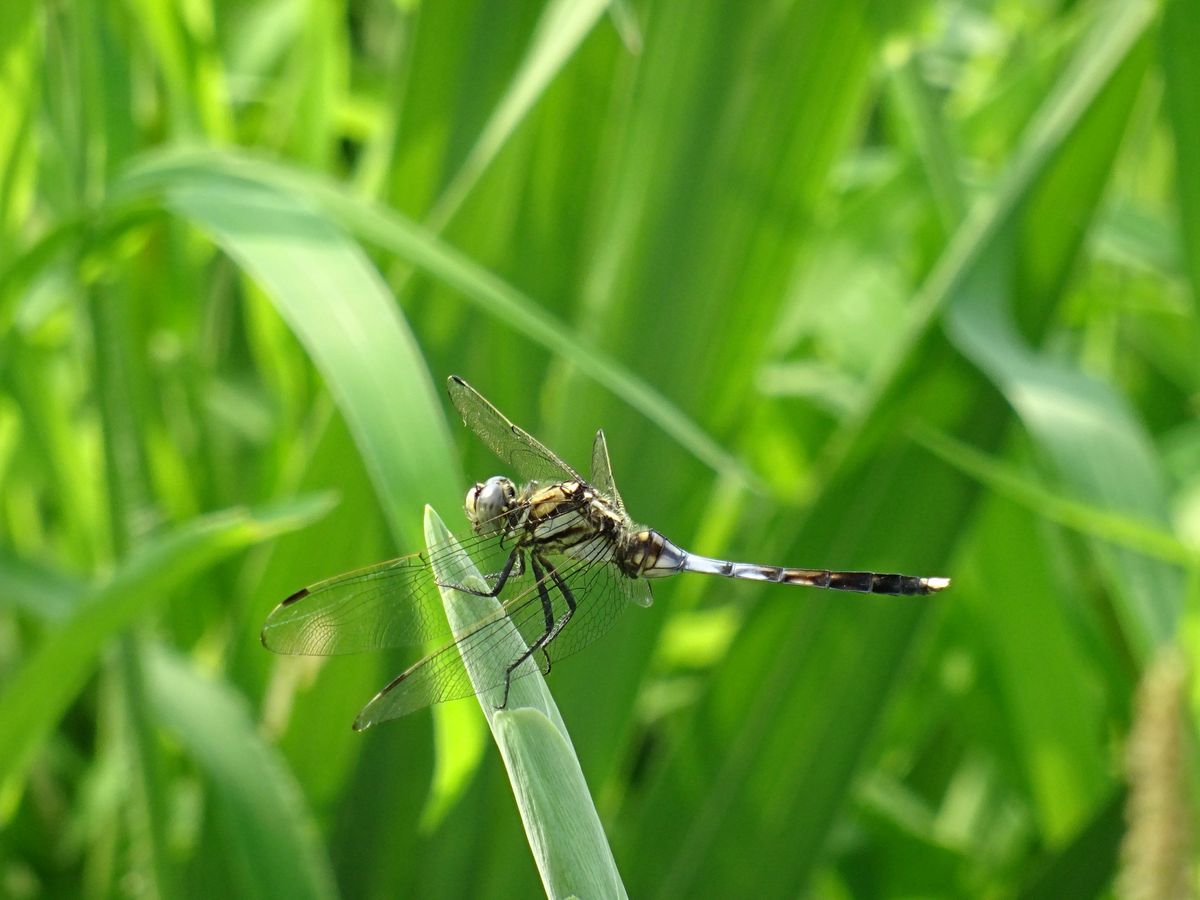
(484, 648)
(442, 675)
(601, 593)
(392, 604)
(601, 474)
(527, 455)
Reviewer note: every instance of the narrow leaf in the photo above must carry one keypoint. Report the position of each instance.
(561, 822)
(40, 691)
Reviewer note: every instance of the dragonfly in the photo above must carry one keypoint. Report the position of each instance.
(558, 552)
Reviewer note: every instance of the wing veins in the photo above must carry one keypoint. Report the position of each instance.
(389, 604)
(526, 454)
(443, 674)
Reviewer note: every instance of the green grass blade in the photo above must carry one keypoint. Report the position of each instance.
(208, 171)
(1181, 72)
(1111, 42)
(338, 306)
(43, 593)
(1100, 451)
(930, 271)
(561, 823)
(1146, 537)
(21, 53)
(1010, 592)
(563, 26)
(39, 692)
(270, 840)
(790, 715)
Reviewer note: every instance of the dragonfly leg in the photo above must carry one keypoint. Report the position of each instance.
(547, 609)
(568, 596)
(553, 627)
(514, 560)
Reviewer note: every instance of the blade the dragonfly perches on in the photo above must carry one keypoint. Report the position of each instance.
(558, 552)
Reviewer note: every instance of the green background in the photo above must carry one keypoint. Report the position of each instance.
(908, 286)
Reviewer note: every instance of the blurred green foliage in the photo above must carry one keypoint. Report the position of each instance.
(909, 286)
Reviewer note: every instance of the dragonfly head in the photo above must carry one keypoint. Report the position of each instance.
(488, 501)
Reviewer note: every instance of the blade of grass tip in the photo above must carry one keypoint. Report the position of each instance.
(560, 819)
(38, 693)
(921, 114)
(625, 21)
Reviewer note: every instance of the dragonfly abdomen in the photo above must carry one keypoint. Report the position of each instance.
(859, 582)
(864, 582)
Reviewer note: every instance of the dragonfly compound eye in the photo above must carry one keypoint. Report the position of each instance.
(488, 501)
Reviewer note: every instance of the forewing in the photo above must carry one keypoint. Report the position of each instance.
(601, 474)
(524, 453)
(392, 604)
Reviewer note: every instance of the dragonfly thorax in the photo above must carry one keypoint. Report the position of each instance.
(488, 502)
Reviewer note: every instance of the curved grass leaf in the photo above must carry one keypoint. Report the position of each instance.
(1145, 537)
(1115, 40)
(205, 171)
(776, 760)
(272, 847)
(39, 692)
(323, 285)
(335, 301)
(1100, 452)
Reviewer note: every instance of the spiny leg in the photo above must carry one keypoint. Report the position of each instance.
(513, 559)
(552, 627)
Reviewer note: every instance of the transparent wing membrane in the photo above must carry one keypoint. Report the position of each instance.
(602, 476)
(600, 592)
(392, 604)
(524, 453)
